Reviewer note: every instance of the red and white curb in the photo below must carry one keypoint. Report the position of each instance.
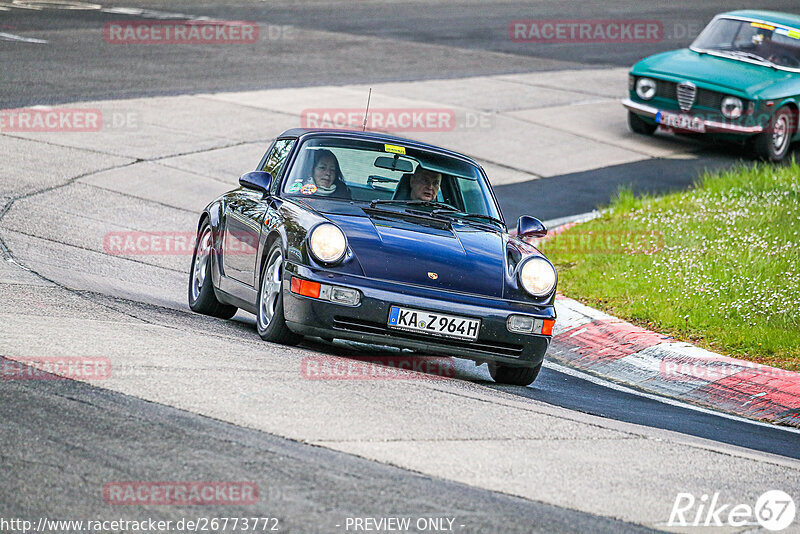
(597, 343)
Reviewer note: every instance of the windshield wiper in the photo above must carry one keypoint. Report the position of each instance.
(463, 215)
(440, 205)
(748, 55)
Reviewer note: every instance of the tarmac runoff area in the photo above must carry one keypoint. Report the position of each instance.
(66, 295)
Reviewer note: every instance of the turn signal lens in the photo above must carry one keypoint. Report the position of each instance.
(306, 288)
(547, 327)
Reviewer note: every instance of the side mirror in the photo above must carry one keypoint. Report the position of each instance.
(257, 180)
(530, 227)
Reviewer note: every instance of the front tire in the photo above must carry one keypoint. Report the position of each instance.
(270, 320)
(201, 287)
(514, 376)
(639, 125)
(773, 145)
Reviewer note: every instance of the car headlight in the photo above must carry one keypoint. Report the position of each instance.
(732, 107)
(646, 88)
(538, 277)
(327, 243)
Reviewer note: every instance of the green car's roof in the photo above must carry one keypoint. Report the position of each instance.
(774, 17)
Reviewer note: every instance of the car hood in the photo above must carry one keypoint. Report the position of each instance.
(459, 258)
(717, 73)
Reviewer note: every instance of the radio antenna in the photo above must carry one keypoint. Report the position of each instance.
(366, 112)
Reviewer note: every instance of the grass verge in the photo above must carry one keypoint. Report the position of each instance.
(718, 265)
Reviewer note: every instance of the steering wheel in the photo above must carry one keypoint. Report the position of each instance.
(785, 60)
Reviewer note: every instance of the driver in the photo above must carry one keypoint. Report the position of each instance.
(425, 184)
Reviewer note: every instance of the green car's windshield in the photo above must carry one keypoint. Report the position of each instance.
(752, 40)
(391, 175)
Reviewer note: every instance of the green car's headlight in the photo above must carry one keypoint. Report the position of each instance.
(646, 88)
(732, 107)
(538, 277)
(327, 243)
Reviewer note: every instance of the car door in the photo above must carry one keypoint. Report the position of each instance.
(244, 215)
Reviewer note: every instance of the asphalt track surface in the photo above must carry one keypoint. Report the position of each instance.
(372, 41)
(328, 43)
(308, 489)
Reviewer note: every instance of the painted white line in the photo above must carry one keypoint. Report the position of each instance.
(54, 4)
(12, 37)
(664, 400)
(552, 224)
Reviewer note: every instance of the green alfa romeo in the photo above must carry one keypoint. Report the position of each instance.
(738, 81)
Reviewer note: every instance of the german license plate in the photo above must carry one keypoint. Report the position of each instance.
(680, 121)
(434, 324)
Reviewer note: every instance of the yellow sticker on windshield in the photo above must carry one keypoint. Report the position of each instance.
(395, 149)
(761, 25)
(788, 33)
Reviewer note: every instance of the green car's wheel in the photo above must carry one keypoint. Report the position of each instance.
(639, 125)
(773, 144)
(514, 376)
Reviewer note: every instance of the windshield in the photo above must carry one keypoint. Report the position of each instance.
(377, 173)
(755, 41)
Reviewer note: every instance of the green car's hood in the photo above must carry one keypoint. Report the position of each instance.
(713, 72)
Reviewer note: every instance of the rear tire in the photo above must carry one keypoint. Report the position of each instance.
(270, 320)
(201, 286)
(773, 145)
(639, 125)
(514, 376)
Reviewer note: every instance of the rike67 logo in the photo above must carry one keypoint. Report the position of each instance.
(774, 510)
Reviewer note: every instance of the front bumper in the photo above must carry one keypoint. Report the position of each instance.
(366, 322)
(711, 126)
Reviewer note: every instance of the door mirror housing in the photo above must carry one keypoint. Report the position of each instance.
(530, 227)
(256, 180)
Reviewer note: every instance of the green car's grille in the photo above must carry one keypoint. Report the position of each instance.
(704, 98)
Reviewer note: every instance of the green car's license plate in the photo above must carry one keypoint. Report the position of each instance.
(680, 121)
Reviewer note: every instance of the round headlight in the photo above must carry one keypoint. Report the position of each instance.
(327, 243)
(732, 107)
(538, 277)
(646, 88)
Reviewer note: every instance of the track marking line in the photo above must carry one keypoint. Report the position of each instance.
(12, 37)
(664, 400)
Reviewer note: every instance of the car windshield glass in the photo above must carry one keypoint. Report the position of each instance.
(756, 41)
(391, 175)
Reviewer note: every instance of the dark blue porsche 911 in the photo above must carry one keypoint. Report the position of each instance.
(382, 240)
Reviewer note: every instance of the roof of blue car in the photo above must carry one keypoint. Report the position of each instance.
(774, 17)
(376, 136)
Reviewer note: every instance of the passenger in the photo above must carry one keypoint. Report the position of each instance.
(425, 184)
(327, 176)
